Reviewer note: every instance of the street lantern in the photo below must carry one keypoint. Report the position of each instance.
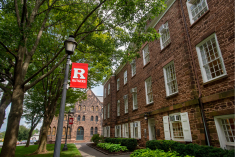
(70, 45)
(146, 117)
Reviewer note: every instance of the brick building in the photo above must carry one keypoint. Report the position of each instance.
(87, 121)
(183, 84)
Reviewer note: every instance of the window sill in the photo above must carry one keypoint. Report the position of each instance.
(135, 110)
(165, 47)
(218, 78)
(133, 76)
(124, 84)
(149, 104)
(117, 90)
(125, 113)
(146, 64)
(173, 95)
(195, 22)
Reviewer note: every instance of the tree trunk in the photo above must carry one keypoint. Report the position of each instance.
(5, 101)
(9, 145)
(30, 134)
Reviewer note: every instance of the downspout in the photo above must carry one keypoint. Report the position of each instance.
(195, 72)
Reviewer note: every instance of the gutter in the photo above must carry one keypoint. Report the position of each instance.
(196, 76)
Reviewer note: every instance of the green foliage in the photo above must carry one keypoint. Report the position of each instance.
(96, 138)
(112, 147)
(154, 153)
(23, 133)
(130, 143)
(189, 149)
(2, 135)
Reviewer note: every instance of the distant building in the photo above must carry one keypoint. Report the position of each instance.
(35, 137)
(87, 121)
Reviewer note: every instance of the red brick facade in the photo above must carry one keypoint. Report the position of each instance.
(93, 107)
(217, 96)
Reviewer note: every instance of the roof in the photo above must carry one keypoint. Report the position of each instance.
(100, 98)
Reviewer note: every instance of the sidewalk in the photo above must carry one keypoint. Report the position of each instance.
(86, 151)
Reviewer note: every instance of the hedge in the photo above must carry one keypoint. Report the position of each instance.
(130, 143)
(112, 147)
(189, 149)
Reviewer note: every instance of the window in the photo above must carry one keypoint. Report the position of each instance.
(135, 130)
(134, 97)
(118, 131)
(133, 68)
(179, 127)
(69, 132)
(83, 118)
(146, 54)
(79, 107)
(49, 132)
(78, 118)
(92, 118)
(125, 77)
(125, 130)
(125, 97)
(118, 84)
(225, 126)
(96, 130)
(92, 108)
(148, 89)
(91, 130)
(65, 118)
(108, 110)
(96, 108)
(118, 108)
(210, 59)
(64, 131)
(165, 35)
(106, 131)
(108, 88)
(104, 92)
(105, 112)
(170, 79)
(84, 108)
(53, 131)
(96, 118)
(196, 8)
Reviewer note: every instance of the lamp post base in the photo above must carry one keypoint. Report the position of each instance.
(65, 147)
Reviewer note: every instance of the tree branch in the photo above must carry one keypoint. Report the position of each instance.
(8, 77)
(17, 12)
(8, 50)
(43, 76)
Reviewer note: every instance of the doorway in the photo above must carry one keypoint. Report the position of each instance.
(80, 133)
(151, 127)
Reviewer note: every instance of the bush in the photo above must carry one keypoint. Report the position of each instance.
(96, 138)
(153, 153)
(130, 143)
(189, 149)
(112, 147)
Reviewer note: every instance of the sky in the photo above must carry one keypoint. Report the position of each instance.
(97, 91)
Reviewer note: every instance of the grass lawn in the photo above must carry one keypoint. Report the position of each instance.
(22, 151)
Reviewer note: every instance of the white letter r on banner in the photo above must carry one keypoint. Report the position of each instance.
(80, 73)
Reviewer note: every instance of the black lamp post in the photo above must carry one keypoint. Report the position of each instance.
(65, 144)
(70, 45)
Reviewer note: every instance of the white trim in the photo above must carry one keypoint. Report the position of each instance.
(146, 92)
(108, 88)
(125, 74)
(118, 84)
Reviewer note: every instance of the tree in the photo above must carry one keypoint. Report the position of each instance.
(24, 23)
(23, 133)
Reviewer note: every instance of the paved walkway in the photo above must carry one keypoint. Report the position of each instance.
(87, 151)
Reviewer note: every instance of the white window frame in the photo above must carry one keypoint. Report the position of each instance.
(108, 88)
(133, 131)
(146, 90)
(222, 139)
(118, 133)
(106, 131)
(164, 32)
(125, 77)
(125, 97)
(146, 56)
(220, 57)
(104, 112)
(134, 98)
(125, 130)
(189, 5)
(166, 80)
(133, 68)
(118, 108)
(108, 111)
(118, 84)
(104, 92)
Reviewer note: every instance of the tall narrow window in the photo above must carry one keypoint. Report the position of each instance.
(133, 68)
(78, 118)
(64, 131)
(118, 108)
(148, 89)
(65, 118)
(84, 108)
(92, 118)
(165, 35)
(125, 97)
(125, 77)
(108, 110)
(146, 54)
(83, 118)
(210, 59)
(96, 130)
(108, 88)
(53, 131)
(91, 130)
(134, 97)
(96, 108)
(170, 79)
(69, 132)
(79, 107)
(105, 112)
(92, 108)
(49, 131)
(96, 118)
(118, 83)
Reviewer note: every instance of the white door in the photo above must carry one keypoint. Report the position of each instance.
(151, 126)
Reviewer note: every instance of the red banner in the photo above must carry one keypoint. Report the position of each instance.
(70, 120)
(79, 75)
